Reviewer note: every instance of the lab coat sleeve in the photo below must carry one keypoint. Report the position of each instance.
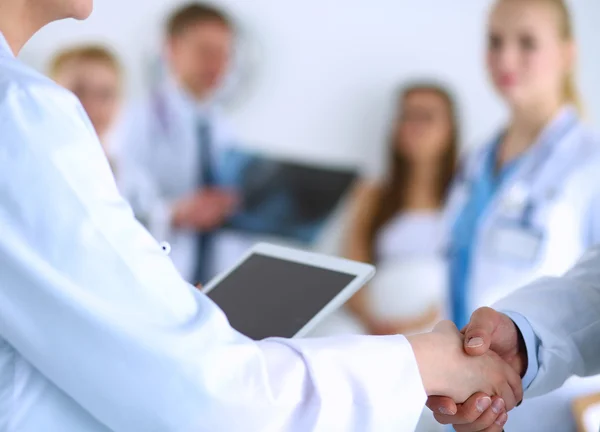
(564, 313)
(89, 299)
(149, 208)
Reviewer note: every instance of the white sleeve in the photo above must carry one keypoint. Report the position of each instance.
(149, 208)
(89, 299)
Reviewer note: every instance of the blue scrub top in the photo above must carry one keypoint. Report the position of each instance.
(482, 191)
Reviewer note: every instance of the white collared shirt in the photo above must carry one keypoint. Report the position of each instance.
(98, 332)
(158, 135)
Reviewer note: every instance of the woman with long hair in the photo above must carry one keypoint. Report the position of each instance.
(397, 223)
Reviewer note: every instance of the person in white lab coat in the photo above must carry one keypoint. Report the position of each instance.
(99, 332)
(94, 74)
(177, 134)
(528, 203)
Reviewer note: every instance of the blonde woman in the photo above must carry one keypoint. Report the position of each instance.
(528, 204)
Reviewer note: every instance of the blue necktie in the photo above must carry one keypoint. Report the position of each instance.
(206, 178)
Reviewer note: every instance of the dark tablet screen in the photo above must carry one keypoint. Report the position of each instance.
(272, 297)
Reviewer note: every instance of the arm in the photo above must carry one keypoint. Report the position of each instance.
(357, 248)
(565, 315)
(90, 301)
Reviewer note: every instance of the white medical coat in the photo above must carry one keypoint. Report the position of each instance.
(560, 178)
(158, 137)
(98, 332)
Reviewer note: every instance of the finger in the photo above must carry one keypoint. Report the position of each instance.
(498, 425)
(487, 422)
(446, 326)
(441, 405)
(506, 393)
(516, 385)
(495, 425)
(478, 333)
(466, 413)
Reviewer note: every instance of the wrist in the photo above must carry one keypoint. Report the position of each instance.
(425, 348)
(522, 361)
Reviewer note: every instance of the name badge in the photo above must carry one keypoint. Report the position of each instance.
(514, 242)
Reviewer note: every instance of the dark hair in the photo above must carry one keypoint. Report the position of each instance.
(394, 191)
(194, 13)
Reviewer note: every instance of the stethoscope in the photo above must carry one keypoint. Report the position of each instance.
(161, 112)
(520, 199)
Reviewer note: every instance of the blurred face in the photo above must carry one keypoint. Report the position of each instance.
(97, 85)
(528, 58)
(60, 9)
(200, 56)
(424, 128)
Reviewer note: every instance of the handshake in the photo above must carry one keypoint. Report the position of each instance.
(472, 378)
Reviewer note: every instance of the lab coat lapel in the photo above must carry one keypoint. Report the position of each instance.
(5, 50)
(532, 165)
(461, 188)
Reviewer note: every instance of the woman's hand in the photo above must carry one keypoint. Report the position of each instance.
(447, 370)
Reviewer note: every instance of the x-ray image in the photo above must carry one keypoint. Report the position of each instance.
(281, 198)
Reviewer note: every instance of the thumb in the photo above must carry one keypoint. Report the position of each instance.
(478, 333)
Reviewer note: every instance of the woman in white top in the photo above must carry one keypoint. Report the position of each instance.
(397, 223)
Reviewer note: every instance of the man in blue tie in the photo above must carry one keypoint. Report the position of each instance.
(177, 134)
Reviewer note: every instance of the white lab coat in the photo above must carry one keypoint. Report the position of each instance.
(561, 177)
(159, 137)
(98, 332)
(149, 208)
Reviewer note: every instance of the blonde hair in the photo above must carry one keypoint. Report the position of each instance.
(95, 53)
(570, 91)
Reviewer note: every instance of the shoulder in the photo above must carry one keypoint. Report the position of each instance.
(473, 158)
(368, 190)
(44, 132)
(584, 179)
(586, 144)
(33, 105)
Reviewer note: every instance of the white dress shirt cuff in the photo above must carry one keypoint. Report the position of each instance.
(532, 344)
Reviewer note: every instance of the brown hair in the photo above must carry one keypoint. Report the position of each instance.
(192, 14)
(84, 53)
(394, 191)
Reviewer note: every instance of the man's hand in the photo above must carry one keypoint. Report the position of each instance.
(487, 331)
(447, 370)
(205, 210)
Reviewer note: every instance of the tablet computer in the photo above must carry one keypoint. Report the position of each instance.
(275, 291)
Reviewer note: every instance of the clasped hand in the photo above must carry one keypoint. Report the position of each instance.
(451, 377)
(488, 331)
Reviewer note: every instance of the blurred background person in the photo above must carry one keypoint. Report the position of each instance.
(528, 204)
(94, 74)
(177, 134)
(398, 224)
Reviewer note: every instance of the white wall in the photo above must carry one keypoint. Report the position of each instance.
(328, 69)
